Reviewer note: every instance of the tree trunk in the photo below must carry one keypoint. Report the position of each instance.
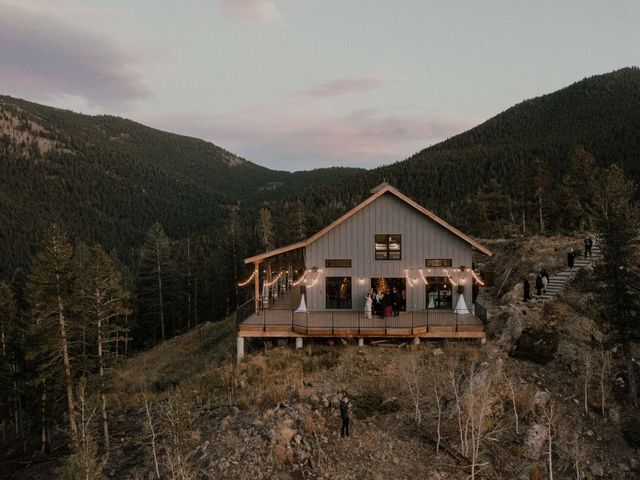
(103, 397)
(43, 418)
(540, 217)
(632, 379)
(188, 282)
(159, 268)
(67, 369)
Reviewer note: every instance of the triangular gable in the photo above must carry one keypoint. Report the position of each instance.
(378, 193)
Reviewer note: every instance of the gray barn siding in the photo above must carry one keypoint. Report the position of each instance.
(354, 239)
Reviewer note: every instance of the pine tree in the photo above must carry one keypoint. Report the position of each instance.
(618, 226)
(153, 275)
(50, 289)
(104, 302)
(8, 318)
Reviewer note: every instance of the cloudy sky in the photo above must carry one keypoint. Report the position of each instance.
(299, 84)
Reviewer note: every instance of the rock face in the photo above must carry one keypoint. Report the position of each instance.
(506, 328)
(534, 441)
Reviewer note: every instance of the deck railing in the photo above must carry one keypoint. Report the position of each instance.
(354, 322)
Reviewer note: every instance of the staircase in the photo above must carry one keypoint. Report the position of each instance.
(559, 280)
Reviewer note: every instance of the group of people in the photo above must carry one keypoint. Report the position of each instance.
(542, 279)
(383, 305)
(541, 282)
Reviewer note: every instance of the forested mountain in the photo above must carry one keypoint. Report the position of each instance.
(108, 179)
(537, 155)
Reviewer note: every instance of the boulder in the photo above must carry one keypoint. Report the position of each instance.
(540, 399)
(568, 354)
(536, 345)
(534, 441)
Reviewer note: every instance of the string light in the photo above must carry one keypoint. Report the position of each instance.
(248, 280)
(449, 277)
(301, 279)
(275, 280)
(423, 277)
(477, 278)
(406, 273)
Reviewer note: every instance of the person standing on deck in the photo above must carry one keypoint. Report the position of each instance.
(397, 302)
(344, 415)
(368, 303)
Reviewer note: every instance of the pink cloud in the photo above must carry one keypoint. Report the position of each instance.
(344, 86)
(294, 141)
(44, 58)
(259, 10)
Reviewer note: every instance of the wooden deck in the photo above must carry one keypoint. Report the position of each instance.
(422, 324)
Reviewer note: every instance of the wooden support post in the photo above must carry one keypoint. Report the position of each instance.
(239, 349)
(298, 343)
(256, 282)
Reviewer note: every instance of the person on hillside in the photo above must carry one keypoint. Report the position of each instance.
(545, 282)
(368, 303)
(344, 416)
(539, 286)
(526, 289)
(545, 274)
(589, 246)
(570, 259)
(586, 247)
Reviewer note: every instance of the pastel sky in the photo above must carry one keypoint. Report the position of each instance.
(300, 84)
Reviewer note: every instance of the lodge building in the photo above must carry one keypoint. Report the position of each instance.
(318, 287)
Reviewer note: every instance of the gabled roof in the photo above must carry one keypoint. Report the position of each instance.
(377, 193)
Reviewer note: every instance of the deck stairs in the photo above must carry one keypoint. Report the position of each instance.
(558, 281)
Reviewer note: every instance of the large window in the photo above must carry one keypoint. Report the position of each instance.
(388, 247)
(338, 292)
(439, 292)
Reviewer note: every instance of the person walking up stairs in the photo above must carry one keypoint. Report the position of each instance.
(560, 279)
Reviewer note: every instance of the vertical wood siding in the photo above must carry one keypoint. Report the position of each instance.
(354, 238)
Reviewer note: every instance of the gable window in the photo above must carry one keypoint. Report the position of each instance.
(338, 293)
(438, 262)
(388, 247)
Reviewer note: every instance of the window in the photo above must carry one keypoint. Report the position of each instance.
(338, 293)
(438, 262)
(337, 263)
(388, 247)
(439, 292)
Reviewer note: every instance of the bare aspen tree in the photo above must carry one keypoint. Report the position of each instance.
(411, 377)
(549, 416)
(437, 393)
(454, 384)
(605, 365)
(152, 433)
(587, 379)
(513, 400)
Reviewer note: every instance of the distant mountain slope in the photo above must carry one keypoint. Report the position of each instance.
(107, 179)
(601, 113)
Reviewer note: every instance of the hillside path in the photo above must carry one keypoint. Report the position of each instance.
(558, 281)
